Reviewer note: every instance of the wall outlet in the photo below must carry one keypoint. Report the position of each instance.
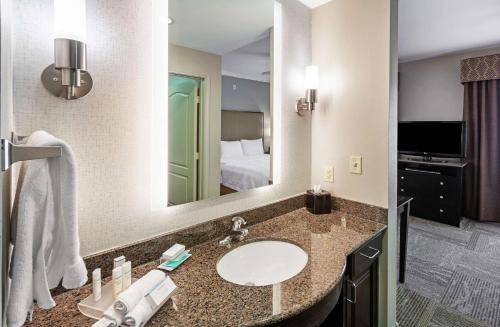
(356, 165)
(328, 174)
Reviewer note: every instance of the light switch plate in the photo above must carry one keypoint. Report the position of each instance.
(356, 165)
(328, 174)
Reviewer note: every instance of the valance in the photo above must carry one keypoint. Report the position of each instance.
(480, 68)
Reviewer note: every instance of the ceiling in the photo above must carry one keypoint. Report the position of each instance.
(429, 28)
(314, 3)
(250, 62)
(219, 26)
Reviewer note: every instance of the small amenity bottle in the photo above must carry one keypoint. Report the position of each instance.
(117, 281)
(96, 284)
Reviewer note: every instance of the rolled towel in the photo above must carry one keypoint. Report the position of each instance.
(129, 298)
(139, 314)
(104, 322)
(114, 316)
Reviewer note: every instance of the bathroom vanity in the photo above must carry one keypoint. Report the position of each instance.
(341, 268)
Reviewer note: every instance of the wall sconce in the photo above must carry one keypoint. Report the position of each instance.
(309, 102)
(68, 77)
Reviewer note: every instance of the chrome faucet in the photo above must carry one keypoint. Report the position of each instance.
(237, 232)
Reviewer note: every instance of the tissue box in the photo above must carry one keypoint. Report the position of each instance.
(320, 203)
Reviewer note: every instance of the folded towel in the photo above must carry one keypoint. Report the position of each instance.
(139, 314)
(115, 317)
(129, 298)
(44, 231)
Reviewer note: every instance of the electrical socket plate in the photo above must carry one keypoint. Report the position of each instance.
(328, 174)
(355, 165)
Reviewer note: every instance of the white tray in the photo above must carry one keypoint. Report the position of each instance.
(95, 309)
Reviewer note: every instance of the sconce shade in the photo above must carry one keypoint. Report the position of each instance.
(311, 77)
(70, 20)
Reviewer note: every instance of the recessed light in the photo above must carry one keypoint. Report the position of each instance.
(170, 20)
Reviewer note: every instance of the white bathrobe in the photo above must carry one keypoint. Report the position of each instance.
(44, 231)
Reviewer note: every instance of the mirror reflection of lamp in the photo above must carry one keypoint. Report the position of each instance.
(308, 103)
(68, 77)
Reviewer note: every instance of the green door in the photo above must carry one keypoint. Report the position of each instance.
(182, 132)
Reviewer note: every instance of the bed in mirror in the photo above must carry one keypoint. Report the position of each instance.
(219, 104)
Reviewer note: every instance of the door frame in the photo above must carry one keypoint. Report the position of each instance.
(6, 124)
(201, 142)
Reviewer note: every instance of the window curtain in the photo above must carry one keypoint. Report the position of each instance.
(482, 117)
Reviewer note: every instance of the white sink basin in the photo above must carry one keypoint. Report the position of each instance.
(262, 263)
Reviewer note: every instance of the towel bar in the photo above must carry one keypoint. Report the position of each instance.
(12, 153)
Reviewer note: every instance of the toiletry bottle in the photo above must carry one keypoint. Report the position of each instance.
(117, 281)
(118, 261)
(127, 274)
(96, 284)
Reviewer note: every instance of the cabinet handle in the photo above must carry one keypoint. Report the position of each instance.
(441, 210)
(402, 177)
(441, 183)
(423, 171)
(354, 286)
(441, 197)
(377, 252)
(402, 190)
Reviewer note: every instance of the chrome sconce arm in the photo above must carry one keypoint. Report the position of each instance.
(308, 103)
(68, 77)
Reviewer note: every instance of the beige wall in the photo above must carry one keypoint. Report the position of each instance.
(430, 89)
(109, 129)
(208, 66)
(351, 48)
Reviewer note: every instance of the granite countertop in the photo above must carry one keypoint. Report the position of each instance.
(205, 299)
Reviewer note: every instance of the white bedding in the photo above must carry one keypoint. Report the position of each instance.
(245, 172)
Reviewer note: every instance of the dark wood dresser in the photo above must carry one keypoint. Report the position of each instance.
(436, 189)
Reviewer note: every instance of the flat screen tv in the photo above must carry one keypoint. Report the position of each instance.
(432, 138)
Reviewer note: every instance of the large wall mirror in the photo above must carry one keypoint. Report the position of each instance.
(219, 98)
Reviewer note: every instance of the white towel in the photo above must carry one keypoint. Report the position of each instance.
(104, 322)
(129, 298)
(44, 231)
(139, 314)
(113, 316)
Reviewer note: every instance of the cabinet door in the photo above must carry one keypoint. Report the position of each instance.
(361, 300)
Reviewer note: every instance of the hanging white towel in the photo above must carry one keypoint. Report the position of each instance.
(44, 231)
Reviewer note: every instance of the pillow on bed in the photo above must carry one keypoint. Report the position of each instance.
(252, 147)
(230, 149)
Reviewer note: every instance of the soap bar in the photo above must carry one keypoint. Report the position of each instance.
(171, 265)
(173, 252)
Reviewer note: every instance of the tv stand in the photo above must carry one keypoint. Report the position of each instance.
(436, 189)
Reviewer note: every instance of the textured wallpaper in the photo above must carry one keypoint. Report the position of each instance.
(109, 129)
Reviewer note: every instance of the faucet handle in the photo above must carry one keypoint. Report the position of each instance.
(238, 222)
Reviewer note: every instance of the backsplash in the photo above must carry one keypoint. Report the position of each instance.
(149, 250)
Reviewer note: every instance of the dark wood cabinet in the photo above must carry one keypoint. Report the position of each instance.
(358, 306)
(436, 189)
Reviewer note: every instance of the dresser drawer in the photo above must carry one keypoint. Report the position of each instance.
(361, 260)
(444, 212)
(428, 186)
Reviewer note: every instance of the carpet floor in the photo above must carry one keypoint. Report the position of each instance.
(452, 275)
